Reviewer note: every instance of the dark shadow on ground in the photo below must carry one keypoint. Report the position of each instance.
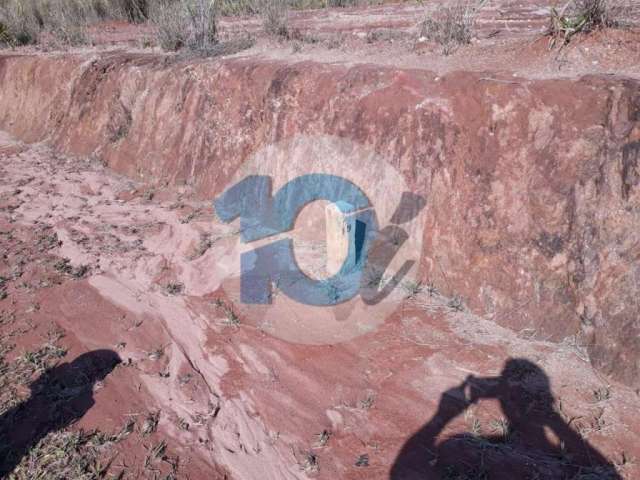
(518, 446)
(59, 397)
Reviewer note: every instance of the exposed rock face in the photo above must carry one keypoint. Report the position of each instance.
(531, 185)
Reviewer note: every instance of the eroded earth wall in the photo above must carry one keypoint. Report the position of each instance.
(531, 185)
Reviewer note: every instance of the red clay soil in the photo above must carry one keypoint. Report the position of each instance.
(254, 404)
(48, 302)
(528, 246)
(530, 183)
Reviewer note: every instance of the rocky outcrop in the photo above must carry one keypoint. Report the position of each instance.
(532, 210)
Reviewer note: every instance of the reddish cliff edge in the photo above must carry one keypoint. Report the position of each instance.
(531, 185)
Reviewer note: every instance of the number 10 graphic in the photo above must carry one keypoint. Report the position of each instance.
(263, 215)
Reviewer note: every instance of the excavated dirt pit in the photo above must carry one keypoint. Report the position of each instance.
(257, 404)
(495, 333)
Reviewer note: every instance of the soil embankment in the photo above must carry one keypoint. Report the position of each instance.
(530, 184)
(509, 204)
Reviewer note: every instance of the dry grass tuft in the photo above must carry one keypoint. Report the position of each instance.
(275, 17)
(64, 22)
(20, 23)
(187, 24)
(583, 16)
(451, 26)
(63, 455)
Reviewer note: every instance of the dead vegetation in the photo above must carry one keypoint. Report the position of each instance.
(150, 424)
(309, 463)
(180, 23)
(412, 288)
(66, 454)
(191, 25)
(62, 22)
(322, 439)
(187, 23)
(584, 16)
(61, 454)
(274, 16)
(249, 7)
(275, 21)
(231, 319)
(206, 242)
(64, 266)
(174, 288)
(451, 26)
(22, 370)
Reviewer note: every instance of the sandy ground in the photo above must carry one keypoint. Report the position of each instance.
(233, 398)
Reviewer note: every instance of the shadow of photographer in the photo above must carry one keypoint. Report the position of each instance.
(520, 449)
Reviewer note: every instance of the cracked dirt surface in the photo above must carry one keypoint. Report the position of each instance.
(236, 401)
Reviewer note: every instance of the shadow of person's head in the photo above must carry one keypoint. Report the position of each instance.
(520, 382)
(94, 366)
(79, 375)
(523, 372)
(519, 369)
